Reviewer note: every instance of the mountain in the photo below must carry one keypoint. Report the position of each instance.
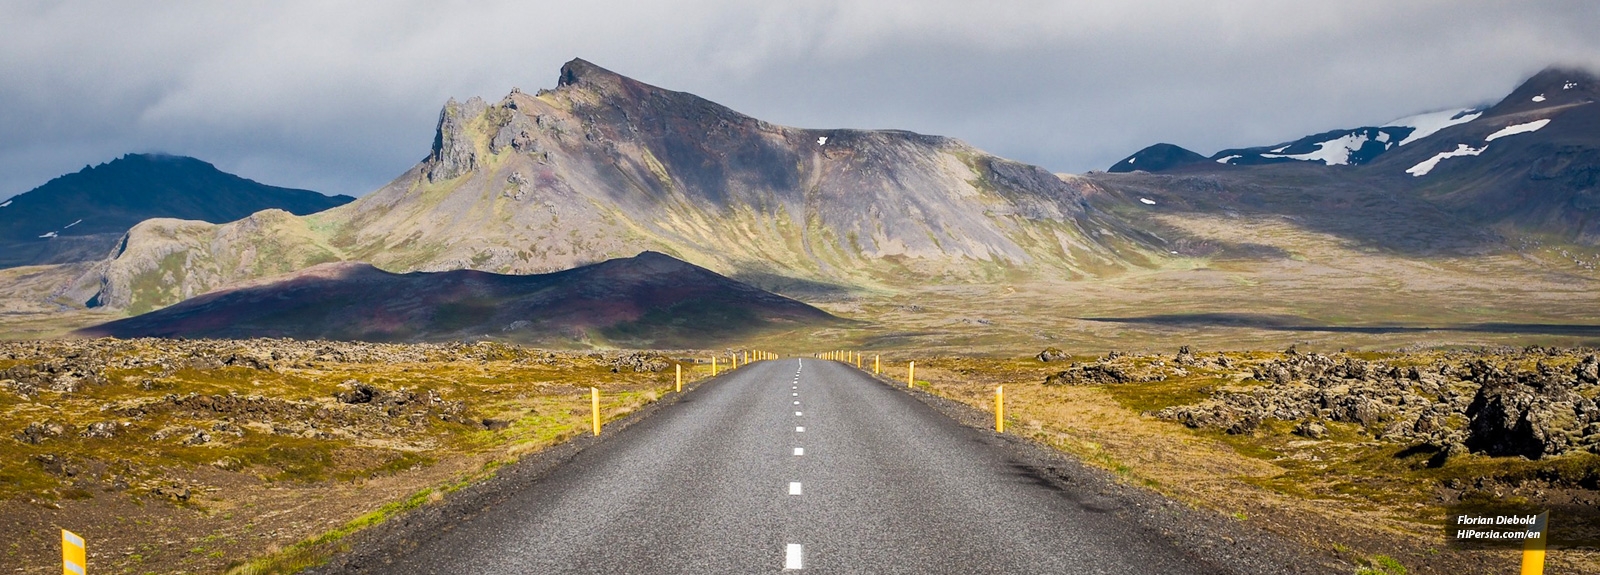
(80, 216)
(604, 166)
(1530, 162)
(650, 300)
(1156, 158)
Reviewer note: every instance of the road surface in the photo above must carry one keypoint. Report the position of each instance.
(793, 464)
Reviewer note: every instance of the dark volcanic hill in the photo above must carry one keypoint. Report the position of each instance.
(1156, 158)
(604, 166)
(79, 216)
(650, 300)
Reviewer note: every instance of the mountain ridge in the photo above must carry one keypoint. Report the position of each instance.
(79, 216)
(604, 166)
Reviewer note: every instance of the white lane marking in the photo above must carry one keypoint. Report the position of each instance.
(797, 414)
(791, 557)
(796, 394)
(799, 451)
(800, 429)
(794, 488)
(797, 403)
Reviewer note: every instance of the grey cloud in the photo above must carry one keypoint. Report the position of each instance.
(341, 97)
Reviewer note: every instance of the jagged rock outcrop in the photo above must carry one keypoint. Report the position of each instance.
(1475, 405)
(454, 149)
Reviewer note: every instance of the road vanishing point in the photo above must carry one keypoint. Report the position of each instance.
(792, 465)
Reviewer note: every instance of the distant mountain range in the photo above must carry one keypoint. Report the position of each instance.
(604, 166)
(80, 216)
(649, 300)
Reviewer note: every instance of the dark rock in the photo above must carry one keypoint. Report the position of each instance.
(37, 432)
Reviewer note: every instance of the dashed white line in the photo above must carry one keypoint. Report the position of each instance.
(799, 451)
(797, 414)
(800, 429)
(796, 394)
(791, 557)
(794, 488)
(797, 403)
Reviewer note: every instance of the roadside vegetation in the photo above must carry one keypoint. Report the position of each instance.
(262, 456)
(1357, 454)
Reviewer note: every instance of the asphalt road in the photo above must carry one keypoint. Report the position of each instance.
(726, 481)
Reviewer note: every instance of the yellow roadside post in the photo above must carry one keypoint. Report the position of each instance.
(911, 374)
(713, 366)
(594, 407)
(1533, 547)
(858, 360)
(678, 375)
(1000, 409)
(735, 361)
(877, 367)
(74, 554)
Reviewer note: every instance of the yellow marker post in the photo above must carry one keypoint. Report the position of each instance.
(74, 554)
(858, 360)
(678, 374)
(1533, 548)
(911, 374)
(713, 366)
(594, 407)
(877, 366)
(1000, 409)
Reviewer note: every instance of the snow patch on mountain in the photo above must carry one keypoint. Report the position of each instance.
(1539, 98)
(4, 204)
(72, 224)
(1147, 201)
(1424, 125)
(48, 235)
(1229, 159)
(1335, 152)
(1518, 129)
(1425, 166)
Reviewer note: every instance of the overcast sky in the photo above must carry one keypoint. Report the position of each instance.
(342, 97)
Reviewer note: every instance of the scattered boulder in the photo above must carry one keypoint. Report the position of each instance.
(1052, 354)
(1311, 430)
(39, 431)
(102, 430)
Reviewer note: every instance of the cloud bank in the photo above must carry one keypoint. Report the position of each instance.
(340, 97)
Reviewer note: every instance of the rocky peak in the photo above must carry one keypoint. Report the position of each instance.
(580, 70)
(453, 151)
